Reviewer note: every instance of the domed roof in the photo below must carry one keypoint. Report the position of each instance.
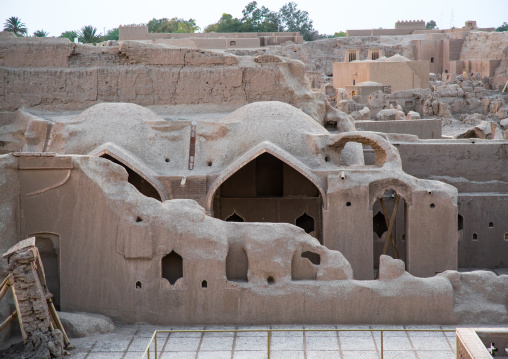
(397, 58)
(273, 117)
(369, 83)
(109, 113)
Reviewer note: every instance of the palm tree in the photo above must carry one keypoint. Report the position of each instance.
(71, 35)
(88, 35)
(14, 24)
(41, 33)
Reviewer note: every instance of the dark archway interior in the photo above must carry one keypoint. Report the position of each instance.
(380, 227)
(172, 267)
(50, 262)
(136, 180)
(268, 190)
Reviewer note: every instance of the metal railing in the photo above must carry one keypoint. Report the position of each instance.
(269, 332)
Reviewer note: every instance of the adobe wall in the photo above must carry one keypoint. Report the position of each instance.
(484, 46)
(424, 129)
(482, 186)
(140, 32)
(111, 260)
(78, 76)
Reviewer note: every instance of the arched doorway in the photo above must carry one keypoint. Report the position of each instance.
(269, 190)
(387, 208)
(48, 245)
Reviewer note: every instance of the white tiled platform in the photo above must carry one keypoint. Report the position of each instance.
(129, 341)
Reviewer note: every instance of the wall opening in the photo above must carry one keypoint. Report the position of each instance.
(491, 224)
(237, 264)
(138, 285)
(142, 185)
(48, 246)
(235, 218)
(305, 222)
(460, 222)
(375, 55)
(475, 236)
(431, 60)
(313, 257)
(506, 236)
(380, 225)
(269, 190)
(204, 284)
(270, 280)
(172, 267)
(303, 267)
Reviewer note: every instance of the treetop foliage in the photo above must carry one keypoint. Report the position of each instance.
(431, 25)
(262, 19)
(14, 24)
(503, 27)
(172, 25)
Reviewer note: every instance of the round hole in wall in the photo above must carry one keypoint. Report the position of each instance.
(139, 219)
(138, 285)
(209, 163)
(204, 284)
(432, 205)
(167, 160)
(491, 225)
(348, 204)
(270, 280)
(327, 159)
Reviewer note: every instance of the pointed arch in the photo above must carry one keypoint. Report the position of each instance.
(255, 152)
(379, 187)
(129, 161)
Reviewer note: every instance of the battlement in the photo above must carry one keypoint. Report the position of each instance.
(410, 24)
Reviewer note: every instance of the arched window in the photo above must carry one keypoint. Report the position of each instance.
(172, 267)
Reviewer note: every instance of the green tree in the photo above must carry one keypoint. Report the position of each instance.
(227, 23)
(431, 25)
(41, 33)
(259, 19)
(295, 20)
(339, 34)
(112, 35)
(88, 35)
(71, 35)
(172, 25)
(14, 24)
(503, 27)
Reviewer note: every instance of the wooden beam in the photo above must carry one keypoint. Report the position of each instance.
(9, 319)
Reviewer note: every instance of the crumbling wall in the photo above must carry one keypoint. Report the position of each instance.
(9, 225)
(82, 75)
(41, 341)
(481, 45)
(320, 55)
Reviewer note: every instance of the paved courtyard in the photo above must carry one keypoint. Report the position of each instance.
(129, 341)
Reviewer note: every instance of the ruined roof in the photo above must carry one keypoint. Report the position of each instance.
(394, 58)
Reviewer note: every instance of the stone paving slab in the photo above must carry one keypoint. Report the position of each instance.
(130, 341)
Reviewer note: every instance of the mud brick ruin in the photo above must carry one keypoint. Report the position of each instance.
(174, 181)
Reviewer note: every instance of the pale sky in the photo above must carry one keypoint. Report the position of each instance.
(57, 16)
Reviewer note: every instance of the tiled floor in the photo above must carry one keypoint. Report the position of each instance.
(130, 341)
